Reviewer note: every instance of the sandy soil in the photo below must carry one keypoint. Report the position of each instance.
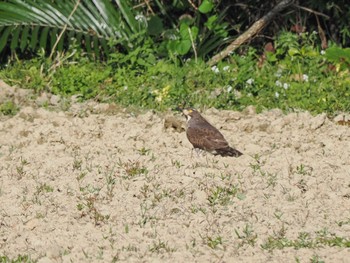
(96, 184)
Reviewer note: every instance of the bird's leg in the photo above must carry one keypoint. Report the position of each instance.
(206, 158)
(198, 151)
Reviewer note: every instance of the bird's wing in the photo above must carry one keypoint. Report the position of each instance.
(215, 139)
(206, 138)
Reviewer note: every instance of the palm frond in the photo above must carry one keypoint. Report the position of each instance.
(33, 24)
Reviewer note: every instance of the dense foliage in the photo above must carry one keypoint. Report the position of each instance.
(152, 53)
(296, 76)
(174, 28)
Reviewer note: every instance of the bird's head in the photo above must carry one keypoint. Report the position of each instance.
(189, 113)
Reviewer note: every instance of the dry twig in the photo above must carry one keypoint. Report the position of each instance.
(64, 29)
(253, 30)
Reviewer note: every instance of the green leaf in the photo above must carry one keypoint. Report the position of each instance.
(111, 18)
(24, 38)
(104, 46)
(183, 47)
(88, 21)
(88, 43)
(184, 31)
(34, 39)
(211, 22)
(194, 32)
(98, 20)
(128, 15)
(53, 37)
(59, 17)
(206, 6)
(43, 38)
(209, 44)
(60, 43)
(15, 35)
(96, 47)
(293, 51)
(4, 37)
(79, 37)
(337, 54)
(155, 26)
(271, 57)
(309, 52)
(34, 8)
(41, 21)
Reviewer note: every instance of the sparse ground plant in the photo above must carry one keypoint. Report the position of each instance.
(132, 169)
(19, 259)
(8, 108)
(214, 242)
(87, 207)
(161, 247)
(316, 259)
(20, 168)
(344, 222)
(144, 151)
(110, 181)
(222, 195)
(247, 236)
(304, 169)
(306, 240)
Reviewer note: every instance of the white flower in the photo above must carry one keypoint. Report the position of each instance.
(305, 78)
(237, 94)
(250, 81)
(323, 52)
(278, 74)
(125, 87)
(139, 18)
(226, 68)
(142, 20)
(277, 95)
(229, 88)
(215, 69)
(286, 85)
(278, 83)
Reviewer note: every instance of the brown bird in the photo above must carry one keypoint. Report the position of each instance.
(202, 135)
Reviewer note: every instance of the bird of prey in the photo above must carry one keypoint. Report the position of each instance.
(202, 135)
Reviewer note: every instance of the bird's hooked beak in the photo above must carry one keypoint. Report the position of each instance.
(187, 113)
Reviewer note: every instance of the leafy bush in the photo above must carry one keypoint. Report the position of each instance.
(296, 76)
(181, 28)
(88, 80)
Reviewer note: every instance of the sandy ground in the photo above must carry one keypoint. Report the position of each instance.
(96, 184)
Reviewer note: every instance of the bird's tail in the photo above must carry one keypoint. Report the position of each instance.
(228, 151)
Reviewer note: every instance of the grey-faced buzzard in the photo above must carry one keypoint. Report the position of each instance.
(202, 135)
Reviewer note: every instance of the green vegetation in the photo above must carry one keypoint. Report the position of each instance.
(19, 259)
(182, 27)
(296, 76)
(305, 240)
(214, 243)
(154, 56)
(8, 108)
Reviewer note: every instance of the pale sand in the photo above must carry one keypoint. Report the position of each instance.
(76, 186)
